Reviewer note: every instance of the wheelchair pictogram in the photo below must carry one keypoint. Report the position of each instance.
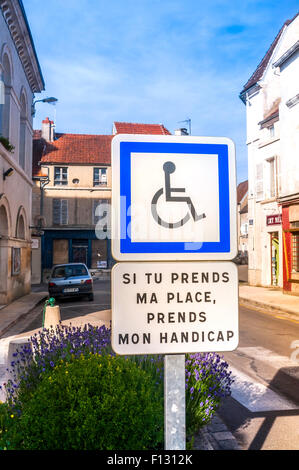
(168, 168)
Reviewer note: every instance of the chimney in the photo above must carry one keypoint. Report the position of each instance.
(181, 131)
(48, 130)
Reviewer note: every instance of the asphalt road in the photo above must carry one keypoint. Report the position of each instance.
(263, 413)
(69, 308)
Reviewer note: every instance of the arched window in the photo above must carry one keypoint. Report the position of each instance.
(3, 222)
(22, 137)
(21, 228)
(6, 76)
(21, 224)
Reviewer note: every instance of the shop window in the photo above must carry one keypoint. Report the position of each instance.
(295, 248)
(60, 251)
(99, 254)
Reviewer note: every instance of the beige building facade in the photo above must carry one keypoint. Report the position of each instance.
(271, 96)
(71, 200)
(20, 78)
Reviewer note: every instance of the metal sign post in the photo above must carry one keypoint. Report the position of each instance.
(174, 402)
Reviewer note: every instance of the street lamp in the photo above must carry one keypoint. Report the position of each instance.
(50, 99)
(7, 173)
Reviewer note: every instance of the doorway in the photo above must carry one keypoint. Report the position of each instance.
(79, 251)
(274, 258)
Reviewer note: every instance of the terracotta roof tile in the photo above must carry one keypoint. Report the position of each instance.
(137, 128)
(83, 148)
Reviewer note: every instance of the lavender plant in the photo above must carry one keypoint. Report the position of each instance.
(208, 381)
(48, 348)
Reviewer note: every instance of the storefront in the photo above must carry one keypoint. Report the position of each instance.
(290, 225)
(274, 221)
(73, 246)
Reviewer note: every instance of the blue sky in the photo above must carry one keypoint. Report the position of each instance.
(152, 61)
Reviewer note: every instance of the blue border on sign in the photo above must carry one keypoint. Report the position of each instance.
(126, 245)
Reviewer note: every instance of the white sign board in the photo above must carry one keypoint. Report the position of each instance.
(174, 308)
(174, 198)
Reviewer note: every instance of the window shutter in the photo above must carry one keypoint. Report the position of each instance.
(64, 211)
(94, 206)
(101, 214)
(259, 189)
(56, 211)
(60, 211)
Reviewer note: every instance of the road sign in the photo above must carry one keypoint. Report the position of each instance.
(173, 198)
(174, 308)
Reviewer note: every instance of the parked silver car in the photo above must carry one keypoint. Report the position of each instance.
(71, 279)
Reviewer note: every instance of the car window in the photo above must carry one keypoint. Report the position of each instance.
(68, 271)
(59, 272)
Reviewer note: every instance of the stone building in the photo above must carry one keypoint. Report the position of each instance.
(271, 96)
(20, 78)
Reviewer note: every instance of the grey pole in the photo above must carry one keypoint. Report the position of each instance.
(174, 402)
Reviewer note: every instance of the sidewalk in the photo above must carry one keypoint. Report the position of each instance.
(269, 298)
(18, 309)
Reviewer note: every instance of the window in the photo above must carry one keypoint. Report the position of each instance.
(60, 176)
(259, 189)
(22, 136)
(272, 131)
(244, 229)
(100, 209)
(272, 177)
(295, 252)
(60, 211)
(295, 247)
(100, 176)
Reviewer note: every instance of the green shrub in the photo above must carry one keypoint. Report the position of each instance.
(93, 403)
(6, 144)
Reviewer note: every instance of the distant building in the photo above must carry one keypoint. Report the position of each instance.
(72, 173)
(20, 78)
(271, 96)
(242, 202)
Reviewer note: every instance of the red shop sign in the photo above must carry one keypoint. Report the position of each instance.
(273, 219)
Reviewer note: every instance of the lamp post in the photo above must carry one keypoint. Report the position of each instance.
(50, 99)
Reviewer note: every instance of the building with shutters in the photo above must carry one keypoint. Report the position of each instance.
(72, 195)
(20, 79)
(242, 214)
(271, 96)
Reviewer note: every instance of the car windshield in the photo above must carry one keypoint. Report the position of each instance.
(69, 271)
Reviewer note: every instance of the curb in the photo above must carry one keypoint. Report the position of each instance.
(273, 308)
(215, 436)
(23, 315)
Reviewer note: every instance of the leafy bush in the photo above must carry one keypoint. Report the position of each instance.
(96, 402)
(207, 382)
(49, 346)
